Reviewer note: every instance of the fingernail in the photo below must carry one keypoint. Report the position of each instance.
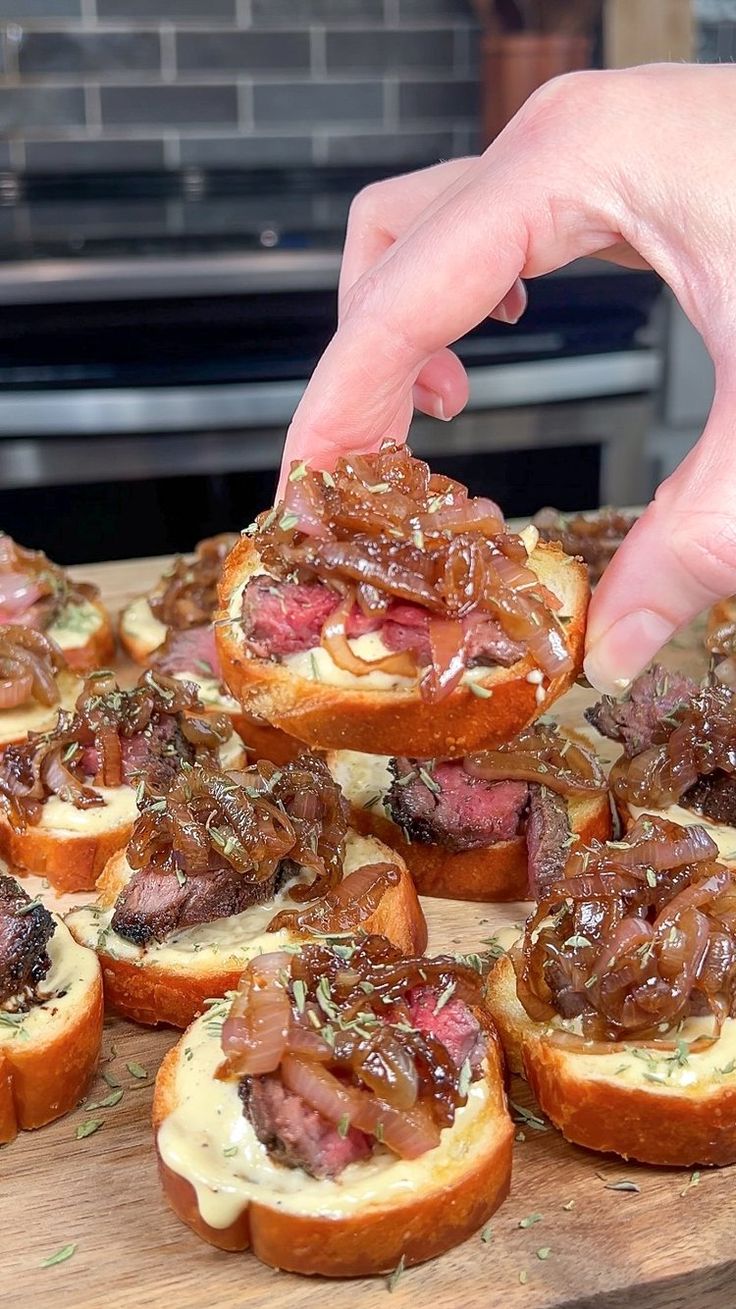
(627, 647)
(430, 402)
(513, 305)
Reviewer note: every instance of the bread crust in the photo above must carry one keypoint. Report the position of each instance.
(156, 992)
(491, 873)
(651, 1126)
(98, 650)
(390, 722)
(43, 1078)
(71, 861)
(413, 1228)
(265, 742)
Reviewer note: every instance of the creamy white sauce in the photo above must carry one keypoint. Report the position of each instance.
(120, 808)
(75, 624)
(139, 621)
(225, 943)
(316, 665)
(73, 971)
(723, 835)
(666, 1071)
(361, 777)
(15, 724)
(209, 1120)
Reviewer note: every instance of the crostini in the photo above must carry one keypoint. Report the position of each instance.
(497, 825)
(379, 606)
(678, 755)
(35, 682)
(225, 863)
(171, 630)
(68, 796)
(342, 1113)
(50, 1014)
(595, 536)
(619, 1002)
(36, 593)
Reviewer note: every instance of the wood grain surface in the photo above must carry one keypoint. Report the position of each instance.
(667, 1246)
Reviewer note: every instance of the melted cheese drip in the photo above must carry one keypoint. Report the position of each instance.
(723, 835)
(73, 971)
(317, 665)
(75, 624)
(139, 621)
(224, 944)
(209, 1120)
(119, 809)
(15, 724)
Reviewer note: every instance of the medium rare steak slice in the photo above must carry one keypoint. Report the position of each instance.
(713, 796)
(296, 1135)
(24, 934)
(154, 904)
(547, 839)
(283, 618)
(190, 650)
(453, 1024)
(407, 628)
(448, 807)
(637, 721)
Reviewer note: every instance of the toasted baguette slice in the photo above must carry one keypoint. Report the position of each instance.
(15, 724)
(48, 1057)
(364, 1223)
(170, 982)
(721, 617)
(85, 634)
(665, 1112)
(141, 634)
(489, 873)
(70, 846)
(344, 714)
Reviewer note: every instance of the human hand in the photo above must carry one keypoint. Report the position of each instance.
(635, 166)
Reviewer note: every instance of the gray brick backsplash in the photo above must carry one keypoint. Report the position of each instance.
(154, 11)
(303, 13)
(438, 100)
(20, 11)
(245, 151)
(411, 11)
(317, 102)
(89, 219)
(26, 108)
(240, 215)
(410, 148)
(146, 84)
(169, 106)
(89, 52)
(375, 52)
(108, 156)
(242, 51)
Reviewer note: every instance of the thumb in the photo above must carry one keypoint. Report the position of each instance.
(677, 560)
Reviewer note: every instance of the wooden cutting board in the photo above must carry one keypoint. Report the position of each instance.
(668, 1245)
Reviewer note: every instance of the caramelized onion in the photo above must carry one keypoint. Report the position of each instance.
(636, 936)
(381, 528)
(189, 594)
(29, 666)
(256, 1028)
(541, 754)
(33, 590)
(344, 907)
(695, 743)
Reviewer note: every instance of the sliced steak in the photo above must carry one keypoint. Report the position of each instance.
(454, 1025)
(547, 839)
(456, 811)
(153, 905)
(637, 722)
(282, 618)
(296, 1135)
(156, 754)
(407, 628)
(191, 650)
(24, 934)
(713, 796)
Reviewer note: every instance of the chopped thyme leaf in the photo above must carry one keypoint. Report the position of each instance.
(463, 1081)
(623, 1185)
(694, 1180)
(570, 1205)
(137, 1070)
(577, 941)
(111, 1081)
(529, 1118)
(523, 1277)
(300, 994)
(60, 1256)
(530, 1221)
(108, 1102)
(372, 800)
(544, 1252)
(444, 995)
(28, 908)
(730, 1067)
(429, 781)
(486, 1234)
(520, 1136)
(379, 1132)
(202, 666)
(343, 1127)
(328, 479)
(495, 949)
(481, 691)
(181, 876)
(288, 521)
(230, 1150)
(88, 1128)
(394, 1277)
(621, 1069)
(315, 670)
(298, 472)
(69, 753)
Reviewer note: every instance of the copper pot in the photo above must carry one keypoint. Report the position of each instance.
(517, 63)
